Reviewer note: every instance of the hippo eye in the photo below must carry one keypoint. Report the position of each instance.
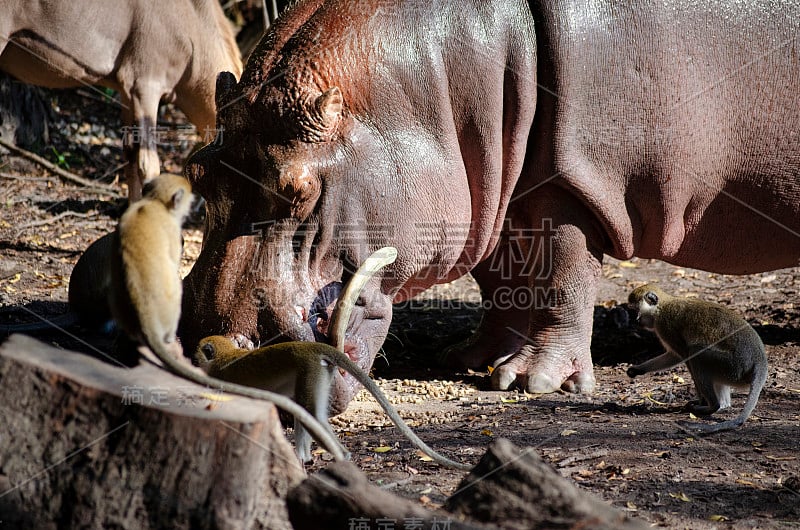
(651, 298)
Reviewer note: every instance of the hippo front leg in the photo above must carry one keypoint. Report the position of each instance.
(503, 328)
(547, 261)
(556, 353)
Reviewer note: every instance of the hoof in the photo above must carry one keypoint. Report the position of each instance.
(542, 384)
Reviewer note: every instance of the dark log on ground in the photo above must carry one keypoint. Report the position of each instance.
(509, 488)
(514, 488)
(90, 445)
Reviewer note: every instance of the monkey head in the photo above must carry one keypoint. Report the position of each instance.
(645, 300)
(211, 351)
(173, 191)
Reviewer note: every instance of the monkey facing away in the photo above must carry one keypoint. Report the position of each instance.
(718, 346)
(89, 285)
(303, 371)
(146, 291)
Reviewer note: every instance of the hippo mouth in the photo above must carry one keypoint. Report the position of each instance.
(346, 319)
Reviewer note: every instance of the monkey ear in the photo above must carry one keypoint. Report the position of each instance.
(148, 187)
(175, 200)
(651, 297)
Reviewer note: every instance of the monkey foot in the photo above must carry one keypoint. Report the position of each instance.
(545, 372)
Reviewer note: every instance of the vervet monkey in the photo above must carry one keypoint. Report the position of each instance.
(146, 291)
(718, 346)
(89, 285)
(303, 371)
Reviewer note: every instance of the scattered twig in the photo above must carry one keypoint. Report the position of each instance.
(66, 175)
(580, 458)
(112, 169)
(105, 99)
(392, 485)
(23, 178)
(51, 220)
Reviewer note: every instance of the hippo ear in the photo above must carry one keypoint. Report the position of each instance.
(225, 82)
(301, 188)
(324, 114)
(329, 106)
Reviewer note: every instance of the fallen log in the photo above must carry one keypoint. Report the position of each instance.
(510, 488)
(86, 444)
(341, 497)
(514, 488)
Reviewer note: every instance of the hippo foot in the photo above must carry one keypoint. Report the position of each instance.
(545, 372)
(481, 350)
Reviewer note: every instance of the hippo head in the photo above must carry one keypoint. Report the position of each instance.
(328, 149)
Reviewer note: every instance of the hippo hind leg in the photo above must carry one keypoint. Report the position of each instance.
(501, 332)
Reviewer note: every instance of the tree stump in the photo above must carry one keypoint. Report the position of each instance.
(509, 488)
(90, 445)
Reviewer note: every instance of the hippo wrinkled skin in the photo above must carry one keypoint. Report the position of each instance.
(521, 142)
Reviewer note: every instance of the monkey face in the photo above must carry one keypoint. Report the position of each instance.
(644, 300)
(646, 308)
(204, 354)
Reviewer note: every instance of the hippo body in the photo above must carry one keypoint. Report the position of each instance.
(521, 142)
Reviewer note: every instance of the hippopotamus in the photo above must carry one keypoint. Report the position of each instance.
(521, 142)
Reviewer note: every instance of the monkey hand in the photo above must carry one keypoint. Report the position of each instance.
(633, 371)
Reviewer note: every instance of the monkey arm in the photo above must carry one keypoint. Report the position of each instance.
(663, 362)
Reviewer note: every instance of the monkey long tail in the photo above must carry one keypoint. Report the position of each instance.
(331, 443)
(759, 379)
(344, 361)
(341, 317)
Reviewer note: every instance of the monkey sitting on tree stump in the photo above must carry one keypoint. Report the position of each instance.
(718, 346)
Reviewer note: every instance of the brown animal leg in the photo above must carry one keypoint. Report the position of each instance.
(139, 114)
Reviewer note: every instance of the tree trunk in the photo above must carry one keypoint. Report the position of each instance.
(84, 444)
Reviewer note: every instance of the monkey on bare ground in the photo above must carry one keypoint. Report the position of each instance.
(718, 346)
(88, 294)
(303, 371)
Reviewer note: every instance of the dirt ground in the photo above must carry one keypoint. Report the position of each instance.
(623, 443)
